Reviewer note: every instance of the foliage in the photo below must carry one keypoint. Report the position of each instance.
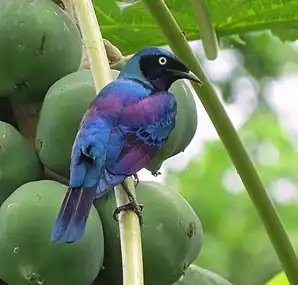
(261, 55)
(118, 18)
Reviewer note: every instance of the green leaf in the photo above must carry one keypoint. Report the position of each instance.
(279, 279)
(264, 55)
(289, 34)
(130, 27)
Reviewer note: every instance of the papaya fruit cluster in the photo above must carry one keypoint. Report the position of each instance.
(40, 56)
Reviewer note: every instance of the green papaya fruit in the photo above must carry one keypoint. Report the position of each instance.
(19, 162)
(171, 234)
(64, 106)
(196, 275)
(39, 44)
(27, 254)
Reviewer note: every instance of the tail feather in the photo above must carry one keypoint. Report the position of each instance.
(71, 221)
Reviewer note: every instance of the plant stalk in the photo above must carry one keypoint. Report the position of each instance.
(129, 227)
(230, 139)
(207, 32)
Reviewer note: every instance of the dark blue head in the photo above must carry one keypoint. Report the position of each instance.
(158, 67)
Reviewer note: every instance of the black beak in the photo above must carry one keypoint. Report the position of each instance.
(186, 75)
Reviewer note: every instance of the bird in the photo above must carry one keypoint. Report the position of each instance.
(121, 131)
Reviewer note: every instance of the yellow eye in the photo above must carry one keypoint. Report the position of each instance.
(162, 60)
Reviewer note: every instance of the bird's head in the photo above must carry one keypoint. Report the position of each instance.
(158, 67)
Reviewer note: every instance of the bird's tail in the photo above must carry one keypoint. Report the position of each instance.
(71, 221)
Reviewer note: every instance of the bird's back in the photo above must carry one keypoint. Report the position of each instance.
(122, 130)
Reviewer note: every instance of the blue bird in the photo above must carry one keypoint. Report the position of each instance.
(122, 130)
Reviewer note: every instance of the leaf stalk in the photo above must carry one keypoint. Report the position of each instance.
(207, 32)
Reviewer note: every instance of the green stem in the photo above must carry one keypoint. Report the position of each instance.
(130, 235)
(207, 32)
(129, 226)
(93, 42)
(230, 139)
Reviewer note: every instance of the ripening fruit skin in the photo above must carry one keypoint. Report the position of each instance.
(171, 234)
(39, 44)
(19, 162)
(27, 253)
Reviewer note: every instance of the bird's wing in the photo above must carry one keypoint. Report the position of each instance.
(97, 135)
(89, 153)
(143, 128)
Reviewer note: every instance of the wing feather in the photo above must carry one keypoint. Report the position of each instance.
(144, 128)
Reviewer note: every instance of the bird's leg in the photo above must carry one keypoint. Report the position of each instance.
(136, 179)
(130, 196)
(132, 205)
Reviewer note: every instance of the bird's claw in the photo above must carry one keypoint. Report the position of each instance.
(132, 205)
(136, 179)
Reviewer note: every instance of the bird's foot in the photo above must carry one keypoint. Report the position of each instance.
(156, 173)
(136, 179)
(132, 205)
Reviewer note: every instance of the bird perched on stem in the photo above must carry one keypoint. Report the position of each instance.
(123, 129)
